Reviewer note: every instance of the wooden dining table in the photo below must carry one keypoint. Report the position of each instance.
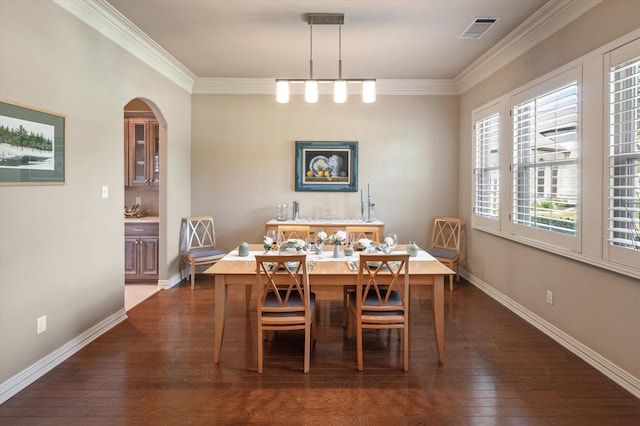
(324, 270)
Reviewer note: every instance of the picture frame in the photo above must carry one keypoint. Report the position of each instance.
(32, 145)
(330, 166)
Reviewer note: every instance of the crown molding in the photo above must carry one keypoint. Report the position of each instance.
(267, 86)
(108, 21)
(105, 19)
(551, 17)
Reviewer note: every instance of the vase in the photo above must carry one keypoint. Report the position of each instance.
(336, 251)
(318, 248)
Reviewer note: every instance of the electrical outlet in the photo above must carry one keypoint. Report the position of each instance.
(138, 200)
(105, 191)
(41, 325)
(550, 297)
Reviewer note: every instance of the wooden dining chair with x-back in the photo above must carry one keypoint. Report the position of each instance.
(381, 299)
(284, 300)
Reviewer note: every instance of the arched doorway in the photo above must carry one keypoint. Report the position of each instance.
(143, 138)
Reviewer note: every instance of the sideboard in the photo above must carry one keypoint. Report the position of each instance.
(330, 226)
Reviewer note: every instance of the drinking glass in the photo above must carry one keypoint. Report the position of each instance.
(392, 240)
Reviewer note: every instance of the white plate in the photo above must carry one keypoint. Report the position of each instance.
(318, 163)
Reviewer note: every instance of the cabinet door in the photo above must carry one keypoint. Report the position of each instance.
(148, 257)
(130, 257)
(153, 149)
(138, 153)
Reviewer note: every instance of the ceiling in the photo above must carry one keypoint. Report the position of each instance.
(382, 39)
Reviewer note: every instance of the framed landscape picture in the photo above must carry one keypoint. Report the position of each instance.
(31, 146)
(326, 166)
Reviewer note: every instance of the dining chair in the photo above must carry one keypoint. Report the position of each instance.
(445, 244)
(381, 299)
(198, 245)
(371, 233)
(293, 231)
(285, 301)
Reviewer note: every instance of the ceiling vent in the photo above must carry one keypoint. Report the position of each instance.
(478, 27)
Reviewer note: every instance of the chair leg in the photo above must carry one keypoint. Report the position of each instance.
(359, 346)
(345, 307)
(307, 348)
(193, 276)
(260, 338)
(406, 346)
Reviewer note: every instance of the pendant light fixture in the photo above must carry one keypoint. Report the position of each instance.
(340, 84)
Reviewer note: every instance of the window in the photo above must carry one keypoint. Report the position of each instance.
(624, 156)
(545, 169)
(487, 167)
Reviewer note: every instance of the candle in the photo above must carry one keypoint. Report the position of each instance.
(369, 190)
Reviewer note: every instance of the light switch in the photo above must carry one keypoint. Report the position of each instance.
(105, 191)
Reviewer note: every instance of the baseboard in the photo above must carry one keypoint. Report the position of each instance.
(15, 384)
(171, 282)
(597, 361)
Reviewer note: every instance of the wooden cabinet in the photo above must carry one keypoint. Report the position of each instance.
(142, 153)
(140, 251)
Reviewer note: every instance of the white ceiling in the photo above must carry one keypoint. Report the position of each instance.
(383, 39)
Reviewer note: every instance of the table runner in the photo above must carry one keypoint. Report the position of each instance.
(326, 256)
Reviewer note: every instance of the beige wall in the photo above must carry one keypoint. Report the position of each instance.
(61, 247)
(243, 155)
(598, 308)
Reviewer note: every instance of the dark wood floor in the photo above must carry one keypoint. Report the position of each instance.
(157, 368)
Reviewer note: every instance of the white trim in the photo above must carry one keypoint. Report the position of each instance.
(550, 18)
(15, 384)
(171, 282)
(109, 22)
(267, 86)
(594, 359)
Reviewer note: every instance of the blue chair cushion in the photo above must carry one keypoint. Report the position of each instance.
(294, 300)
(372, 300)
(198, 253)
(442, 253)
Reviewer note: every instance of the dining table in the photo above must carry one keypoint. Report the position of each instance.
(325, 270)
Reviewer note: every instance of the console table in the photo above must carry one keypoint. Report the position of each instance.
(330, 226)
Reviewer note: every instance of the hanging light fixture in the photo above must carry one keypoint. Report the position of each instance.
(340, 84)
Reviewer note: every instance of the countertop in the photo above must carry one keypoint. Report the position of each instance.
(146, 219)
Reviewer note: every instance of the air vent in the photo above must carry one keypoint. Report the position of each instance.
(478, 27)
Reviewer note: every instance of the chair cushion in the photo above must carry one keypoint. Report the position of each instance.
(198, 253)
(442, 253)
(372, 300)
(294, 300)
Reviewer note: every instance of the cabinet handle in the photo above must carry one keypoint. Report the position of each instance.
(138, 229)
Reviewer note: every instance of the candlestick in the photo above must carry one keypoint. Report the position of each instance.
(361, 205)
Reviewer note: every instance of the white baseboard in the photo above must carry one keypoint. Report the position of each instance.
(597, 361)
(171, 282)
(15, 384)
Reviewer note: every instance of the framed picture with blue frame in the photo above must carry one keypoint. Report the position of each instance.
(330, 166)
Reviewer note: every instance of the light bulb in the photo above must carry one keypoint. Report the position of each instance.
(340, 91)
(282, 92)
(311, 91)
(368, 91)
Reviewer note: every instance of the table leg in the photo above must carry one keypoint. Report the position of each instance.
(438, 313)
(220, 314)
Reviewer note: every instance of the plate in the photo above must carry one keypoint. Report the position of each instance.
(318, 163)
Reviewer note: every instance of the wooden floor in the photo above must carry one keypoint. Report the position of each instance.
(157, 368)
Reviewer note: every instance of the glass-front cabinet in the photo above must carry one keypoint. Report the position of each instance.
(142, 153)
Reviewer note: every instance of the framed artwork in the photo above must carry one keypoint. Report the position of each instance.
(31, 146)
(326, 166)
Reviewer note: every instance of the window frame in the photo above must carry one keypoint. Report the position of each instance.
(499, 109)
(621, 255)
(538, 89)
